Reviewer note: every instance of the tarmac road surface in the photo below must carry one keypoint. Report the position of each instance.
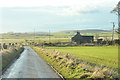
(30, 65)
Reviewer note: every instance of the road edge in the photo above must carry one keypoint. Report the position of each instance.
(60, 75)
(12, 61)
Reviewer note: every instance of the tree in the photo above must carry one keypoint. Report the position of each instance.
(117, 10)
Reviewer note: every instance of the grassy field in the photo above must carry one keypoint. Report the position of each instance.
(105, 55)
(65, 61)
(53, 40)
(11, 40)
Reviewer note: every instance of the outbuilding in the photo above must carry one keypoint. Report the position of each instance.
(78, 38)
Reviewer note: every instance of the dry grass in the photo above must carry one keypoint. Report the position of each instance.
(71, 67)
(9, 54)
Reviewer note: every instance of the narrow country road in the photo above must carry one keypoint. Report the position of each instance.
(30, 65)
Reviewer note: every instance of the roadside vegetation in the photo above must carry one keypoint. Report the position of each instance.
(82, 62)
(8, 55)
(102, 55)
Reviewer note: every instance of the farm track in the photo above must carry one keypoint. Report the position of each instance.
(30, 65)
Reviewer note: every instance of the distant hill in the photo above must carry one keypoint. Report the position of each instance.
(55, 34)
(83, 31)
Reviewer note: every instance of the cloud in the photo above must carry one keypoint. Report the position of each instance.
(63, 11)
(36, 3)
(61, 7)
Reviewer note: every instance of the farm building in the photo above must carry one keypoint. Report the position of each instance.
(78, 38)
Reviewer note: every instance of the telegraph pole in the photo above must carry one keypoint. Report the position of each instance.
(118, 17)
(34, 33)
(113, 33)
(117, 10)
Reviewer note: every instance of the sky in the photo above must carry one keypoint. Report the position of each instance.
(56, 15)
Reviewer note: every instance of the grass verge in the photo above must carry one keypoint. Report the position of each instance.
(101, 55)
(71, 67)
(9, 55)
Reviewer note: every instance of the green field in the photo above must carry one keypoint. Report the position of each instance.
(53, 40)
(11, 40)
(105, 55)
